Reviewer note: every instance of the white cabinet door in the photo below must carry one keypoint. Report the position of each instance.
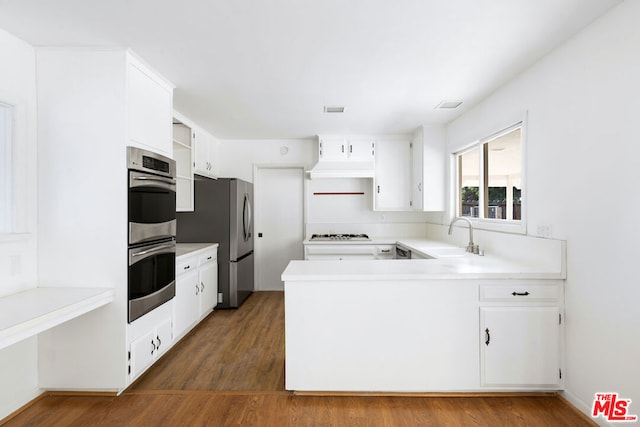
(164, 336)
(520, 346)
(208, 286)
(392, 183)
(428, 169)
(361, 150)
(205, 154)
(186, 302)
(335, 149)
(142, 353)
(332, 149)
(417, 174)
(150, 111)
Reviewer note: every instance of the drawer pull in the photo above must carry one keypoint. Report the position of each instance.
(520, 294)
(487, 336)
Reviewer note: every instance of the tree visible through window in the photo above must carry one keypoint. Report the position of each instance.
(489, 177)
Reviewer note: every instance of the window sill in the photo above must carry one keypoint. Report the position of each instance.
(500, 226)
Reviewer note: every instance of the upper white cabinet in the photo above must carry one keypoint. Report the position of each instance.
(392, 182)
(333, 149)
(150, 108)
(428, 169)
(183, 155)
(205, 154)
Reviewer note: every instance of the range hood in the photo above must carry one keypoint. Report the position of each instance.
(343, 169)
(344, 157)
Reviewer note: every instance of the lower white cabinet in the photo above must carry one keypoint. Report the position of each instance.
(208, 274)
(196, 287)
(520, 335)
(187, 300)
(520, 346)
(144, 350)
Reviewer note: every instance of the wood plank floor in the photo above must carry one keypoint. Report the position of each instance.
(230, 371)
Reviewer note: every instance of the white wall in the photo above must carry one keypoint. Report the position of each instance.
(324, 214)
(18, 256)
(239, 156)
(582, 102)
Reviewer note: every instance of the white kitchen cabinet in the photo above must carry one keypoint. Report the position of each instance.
(144, 350)
(208, 274)
(150, 100)
(96, 101)
(428, 169)
(187, 299)
(392, 182)
(520, 346)
(183, 155)
(205, 154)
(196, 287)
(520, 335)
(335, 148)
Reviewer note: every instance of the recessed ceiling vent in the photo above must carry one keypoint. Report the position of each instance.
(334, 108)
(447, 105)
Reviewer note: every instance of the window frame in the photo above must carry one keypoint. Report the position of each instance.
(482, 223)
(7, 112)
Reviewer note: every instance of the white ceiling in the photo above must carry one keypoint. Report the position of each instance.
(247, 69)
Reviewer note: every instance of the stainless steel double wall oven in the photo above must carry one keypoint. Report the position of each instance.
(152, 231)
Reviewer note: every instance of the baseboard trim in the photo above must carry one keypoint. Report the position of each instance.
(428, 394)
(580, 408)
(45, 394)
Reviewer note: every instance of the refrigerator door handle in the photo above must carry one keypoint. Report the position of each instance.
(246, 218)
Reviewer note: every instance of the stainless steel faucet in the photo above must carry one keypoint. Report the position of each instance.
(471, 247)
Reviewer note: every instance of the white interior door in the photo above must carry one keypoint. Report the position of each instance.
(279, 223)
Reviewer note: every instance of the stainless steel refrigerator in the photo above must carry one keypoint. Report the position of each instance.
(223, 214)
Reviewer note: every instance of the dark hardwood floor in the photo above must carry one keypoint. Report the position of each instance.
(230, 371)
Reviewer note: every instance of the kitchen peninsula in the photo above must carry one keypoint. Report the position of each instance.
(464, 323)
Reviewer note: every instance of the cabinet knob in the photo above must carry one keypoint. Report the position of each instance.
(197, 289)
(487, 336)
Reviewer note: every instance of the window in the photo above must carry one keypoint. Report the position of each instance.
(489, 178)
(6, 133)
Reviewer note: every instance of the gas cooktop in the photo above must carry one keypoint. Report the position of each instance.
(330, 237)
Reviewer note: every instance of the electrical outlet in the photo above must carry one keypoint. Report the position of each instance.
(544, 230)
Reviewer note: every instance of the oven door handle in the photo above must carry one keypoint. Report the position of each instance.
(171, 181)
(152, 250)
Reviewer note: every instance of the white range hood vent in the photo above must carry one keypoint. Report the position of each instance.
(340, 157)
(346, 169)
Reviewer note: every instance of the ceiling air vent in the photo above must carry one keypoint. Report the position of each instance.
(448, 105)
(333, 109)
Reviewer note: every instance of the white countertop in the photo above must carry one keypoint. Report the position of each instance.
(468, 266)
(188, 248)
(30, 312)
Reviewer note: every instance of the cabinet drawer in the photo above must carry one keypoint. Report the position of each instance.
(520, 292)
(208, 256)
(185, 265)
